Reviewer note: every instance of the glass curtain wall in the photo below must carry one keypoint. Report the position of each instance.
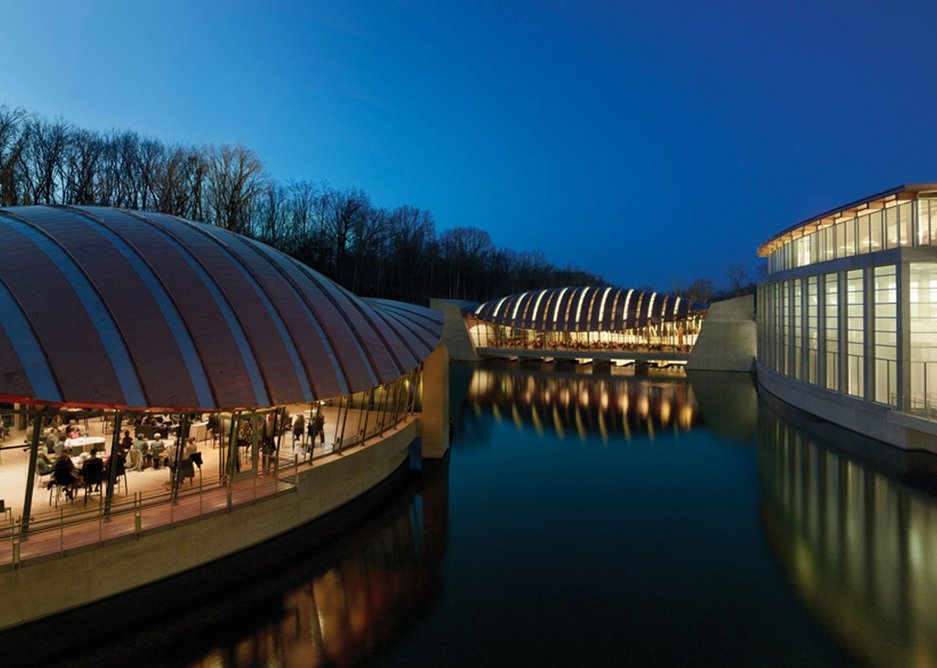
(672, 336)
(785, 366)
(923, 338)
(885, 329)
(855, 333)
(75, 465)
(798, 327)
(890, 227)
(831, 329)
(813, 332)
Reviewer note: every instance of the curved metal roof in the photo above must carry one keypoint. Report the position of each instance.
(122, 308)
(589, 309)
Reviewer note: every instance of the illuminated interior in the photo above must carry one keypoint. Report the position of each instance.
(588, 318)
(851, 301)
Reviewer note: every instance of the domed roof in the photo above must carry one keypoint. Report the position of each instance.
(121, 308)
(585, 309)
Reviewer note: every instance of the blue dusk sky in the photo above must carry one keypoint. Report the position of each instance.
(651, 143)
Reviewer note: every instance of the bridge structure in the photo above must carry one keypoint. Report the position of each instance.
(620, 357)
(586, 324)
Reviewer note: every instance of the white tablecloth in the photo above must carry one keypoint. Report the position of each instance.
(86, 442)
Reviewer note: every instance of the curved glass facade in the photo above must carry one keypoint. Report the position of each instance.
(588, 318)
(850, 302)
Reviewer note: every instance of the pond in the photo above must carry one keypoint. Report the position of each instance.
(580, 519)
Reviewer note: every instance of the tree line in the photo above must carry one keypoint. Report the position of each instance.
(395, 253)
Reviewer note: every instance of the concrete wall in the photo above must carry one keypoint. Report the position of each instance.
(39, 589)
(435, 418)
(454, 333)
(869, 419)
(727, 339)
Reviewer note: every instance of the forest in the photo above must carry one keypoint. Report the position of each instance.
(396, 253)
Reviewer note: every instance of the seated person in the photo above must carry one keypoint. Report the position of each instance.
(186, 465)
(138, 452)
(52, 438)
(44, 465)
(158, 448)
(64, 474)
(120, 462)
(92, 471)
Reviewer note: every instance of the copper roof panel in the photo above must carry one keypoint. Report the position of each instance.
(244, 297)
(62, 325)
(205, 321)
(155, 355)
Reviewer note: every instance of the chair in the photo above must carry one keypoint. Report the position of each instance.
(187, 468)
(56, 487)
(55, 493)
(117, 478)
(92, 477)
(43, 467)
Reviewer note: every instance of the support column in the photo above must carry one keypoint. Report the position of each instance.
(435, 422)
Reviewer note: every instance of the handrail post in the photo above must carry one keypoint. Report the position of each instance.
(137, 513)
(15, 538)
(31, 472)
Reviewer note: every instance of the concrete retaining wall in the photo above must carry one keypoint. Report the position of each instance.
(872, 420)
(39, 589)
(454, 333)
(727, 340)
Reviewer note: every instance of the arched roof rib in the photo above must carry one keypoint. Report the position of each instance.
(580, 309)
(118, 308)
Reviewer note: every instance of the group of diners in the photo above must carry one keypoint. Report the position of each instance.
(70, 457)
(158, 453)
(66, 475)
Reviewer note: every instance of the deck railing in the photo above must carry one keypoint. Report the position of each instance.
(86, 521)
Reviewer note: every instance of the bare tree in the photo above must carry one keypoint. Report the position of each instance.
(739, 283)
(343, 211)
(12, 146)
(235, 179)
(464, 250)
(393, 253)
(46, 144)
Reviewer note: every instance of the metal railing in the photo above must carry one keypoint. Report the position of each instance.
(922, 400)
(79, 524)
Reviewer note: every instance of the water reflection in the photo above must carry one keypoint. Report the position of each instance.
(858, 544)
(570, 404)
(308, 598)
(388, 572)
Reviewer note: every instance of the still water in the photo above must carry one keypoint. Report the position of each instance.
(581, 519)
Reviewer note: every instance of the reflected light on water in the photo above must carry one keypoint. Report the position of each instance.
(585, 404)
(644, 406)
(860, 547)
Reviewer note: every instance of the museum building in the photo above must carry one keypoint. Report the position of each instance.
(172, 393)
(587, 318)
(846, 316)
